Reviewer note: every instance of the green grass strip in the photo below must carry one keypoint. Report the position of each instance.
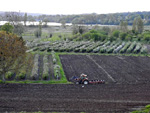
(63, 77)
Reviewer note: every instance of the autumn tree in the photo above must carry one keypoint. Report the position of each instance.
(12, 53)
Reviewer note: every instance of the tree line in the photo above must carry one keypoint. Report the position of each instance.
(104, 19)
(121, 32)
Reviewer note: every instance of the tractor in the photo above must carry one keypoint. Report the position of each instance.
(84, 80)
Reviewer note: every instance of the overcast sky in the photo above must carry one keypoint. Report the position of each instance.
(75, 6)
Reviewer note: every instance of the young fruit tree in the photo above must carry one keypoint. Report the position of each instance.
(12, 53)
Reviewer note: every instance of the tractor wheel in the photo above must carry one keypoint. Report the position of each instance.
(76, 82)
(86, 82)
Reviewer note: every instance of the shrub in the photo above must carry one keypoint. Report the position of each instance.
(7, 27)
(76, 49)
(137, 48)
(111, 49)
(54, 57)
(37, 33)
(123, 35)
(144, 110)
(1, 82)
(111, 38)
(131, 48)
(57, 71)
(123, 50)
(22, 75)
(101, 46)
(103, 50)
(96, 49)
(35, 68)
(144, 50)
(9, 75)
(119, 48)
(96, 36)
(128, 38)
(83, 50)
(147, 37)
(106, 46)
(45, 75)
(116, 33)
(140, 36)
(86, 36)
(50, 35)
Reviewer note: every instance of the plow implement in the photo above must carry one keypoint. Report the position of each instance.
(78, 80)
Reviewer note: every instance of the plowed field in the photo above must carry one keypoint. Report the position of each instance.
(73, 98)
(112, 69)
(127, 88)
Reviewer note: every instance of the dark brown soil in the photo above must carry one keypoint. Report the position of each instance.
(73, 98)
(118, 69)
(126, 69)
(130, 91)
(74, 65)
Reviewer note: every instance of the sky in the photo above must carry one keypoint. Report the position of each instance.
(75, 6)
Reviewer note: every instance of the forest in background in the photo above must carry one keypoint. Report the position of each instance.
(104, 19)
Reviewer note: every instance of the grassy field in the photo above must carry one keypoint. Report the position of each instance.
(57, 33)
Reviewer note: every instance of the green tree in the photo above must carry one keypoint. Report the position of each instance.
(7, 27)
(45, 20)
(38, 32)
(140, 25)
(63, 24)
(25, 18)
(116, 33)
(79, 29)
(123, 35)
(134, 25)
(124, 26)
(106, 29)
(147, 37)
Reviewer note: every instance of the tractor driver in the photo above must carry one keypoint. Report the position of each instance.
(82, 77)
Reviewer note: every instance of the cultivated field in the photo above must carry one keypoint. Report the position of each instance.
(112, 69)
(73, 98)
(37, 67)
(126, 89)
(91, 47)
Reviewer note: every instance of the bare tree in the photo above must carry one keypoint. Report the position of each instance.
(15, 19)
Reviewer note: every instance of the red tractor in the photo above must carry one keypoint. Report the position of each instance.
(84, 80)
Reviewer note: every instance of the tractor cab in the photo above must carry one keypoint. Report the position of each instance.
(82, 79)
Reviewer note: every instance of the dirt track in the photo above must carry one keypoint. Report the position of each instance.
(73, 98)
